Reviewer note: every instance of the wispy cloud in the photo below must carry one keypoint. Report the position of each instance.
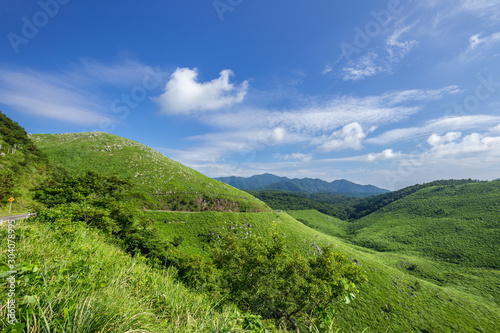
(76, 94)
(477, 44)
(48, 96)
(295, 156)
(399, 49)
(387, 154)
(435, 126)
(184, 94)
(363, 68)
(381, 60)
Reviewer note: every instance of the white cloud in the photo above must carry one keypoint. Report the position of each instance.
(496, 129)
(437, 140)
(482, 7)
(478, 44)
(184, 94)
(363, 68)
(438, 125)
(415, 95)
(294, 156)
(397, 49)
(470, 144)
(48, 96)
(327, 69)
(387, 154)
(122, 73)
(350, 136)
(384, 155)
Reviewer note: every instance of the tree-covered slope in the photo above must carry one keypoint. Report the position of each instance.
(168, 184)
(309, 185)
(306, 185)
(455, 223)
(22, 166)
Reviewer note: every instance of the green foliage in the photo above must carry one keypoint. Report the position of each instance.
(91, 185)
(261, 277)
(85, 284)
(6, 184)
(22, 166)
(331, 204)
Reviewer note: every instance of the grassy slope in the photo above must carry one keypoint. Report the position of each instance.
(393, 301)
(457, 224)
(93, 286)
(168, 184)
(324, 223)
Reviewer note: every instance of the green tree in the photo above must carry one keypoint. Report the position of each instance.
(262, 277)
(6, 185)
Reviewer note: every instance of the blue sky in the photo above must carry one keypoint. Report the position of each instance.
(389, 93)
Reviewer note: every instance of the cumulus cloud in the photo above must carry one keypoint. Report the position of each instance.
(184, 94)
(350, 136)
(470, 144)
(436, 140)
(385, 155)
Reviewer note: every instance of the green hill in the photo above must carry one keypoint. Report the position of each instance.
(456, 223)
(168, 184)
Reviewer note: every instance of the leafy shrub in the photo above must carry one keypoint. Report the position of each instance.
(261, 277)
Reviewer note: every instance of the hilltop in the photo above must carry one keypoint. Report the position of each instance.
(168, 185)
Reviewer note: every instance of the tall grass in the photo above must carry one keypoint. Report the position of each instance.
(77, 282)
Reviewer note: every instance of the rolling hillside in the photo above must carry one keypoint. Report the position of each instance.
(394, 299)
(458, 224)
(168, 184)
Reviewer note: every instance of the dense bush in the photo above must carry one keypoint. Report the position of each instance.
(261, 277)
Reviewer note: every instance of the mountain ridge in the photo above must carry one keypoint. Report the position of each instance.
(269, 181)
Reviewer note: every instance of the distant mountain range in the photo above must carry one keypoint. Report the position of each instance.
(308, 185)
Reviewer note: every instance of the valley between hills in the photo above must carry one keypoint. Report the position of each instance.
(127, 239)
